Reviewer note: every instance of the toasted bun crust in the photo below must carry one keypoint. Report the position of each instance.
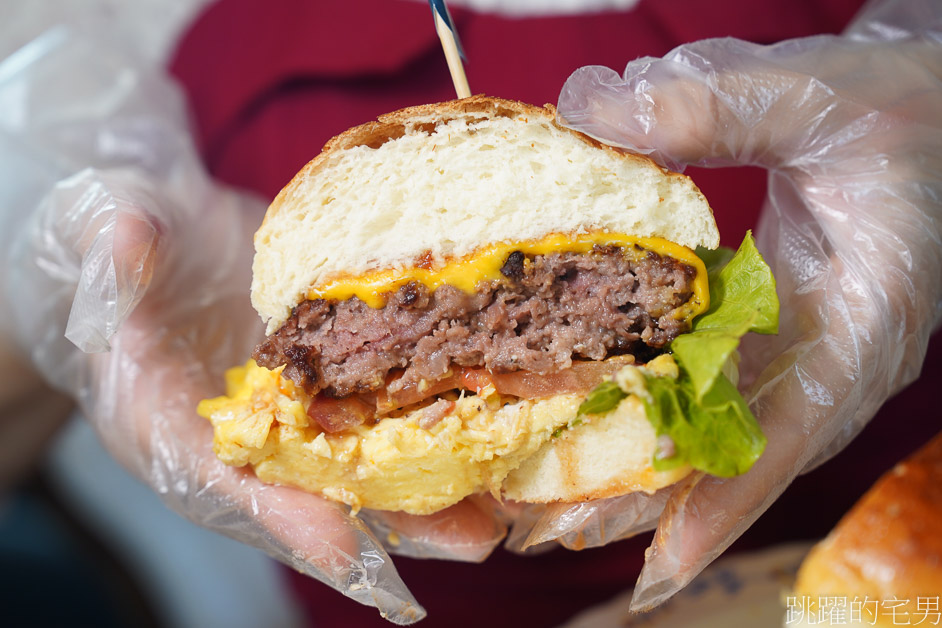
(448, 179)
(889, 545)
(606, 456)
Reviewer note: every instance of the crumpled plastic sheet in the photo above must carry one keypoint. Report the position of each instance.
(127, 270)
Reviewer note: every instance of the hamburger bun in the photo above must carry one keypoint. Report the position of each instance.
(427, 194)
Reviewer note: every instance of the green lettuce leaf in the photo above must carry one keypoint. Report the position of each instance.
(741, 290)
(742, 299)
(602, 399)
(717, 434)
(711, 426)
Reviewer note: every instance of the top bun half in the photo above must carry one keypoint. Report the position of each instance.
(441, 181)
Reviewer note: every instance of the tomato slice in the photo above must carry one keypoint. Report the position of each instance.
(409, 394)
(581, 377)
(335, 415)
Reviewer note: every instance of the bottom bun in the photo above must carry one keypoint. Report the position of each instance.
(603, 457)
(526, 450)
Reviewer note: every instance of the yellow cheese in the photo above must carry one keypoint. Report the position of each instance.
(484, 265)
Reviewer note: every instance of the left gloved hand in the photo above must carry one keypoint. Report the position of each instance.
(127, 287)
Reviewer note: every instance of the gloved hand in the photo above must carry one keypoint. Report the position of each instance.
(127, 286)
(850, 130)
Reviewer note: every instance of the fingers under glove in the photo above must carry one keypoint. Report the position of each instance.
(588, 524)
(468, 531)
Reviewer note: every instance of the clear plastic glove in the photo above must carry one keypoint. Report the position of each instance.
(850, 130)
(126, 283)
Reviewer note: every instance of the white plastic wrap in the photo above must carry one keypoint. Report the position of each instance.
(126, 276)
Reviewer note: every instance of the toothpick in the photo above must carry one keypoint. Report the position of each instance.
(446, 33)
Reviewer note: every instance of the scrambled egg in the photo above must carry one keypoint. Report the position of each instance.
(393, 465)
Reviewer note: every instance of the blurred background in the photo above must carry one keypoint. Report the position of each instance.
(83, 543)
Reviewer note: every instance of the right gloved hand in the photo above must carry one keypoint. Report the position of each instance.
(850, 130)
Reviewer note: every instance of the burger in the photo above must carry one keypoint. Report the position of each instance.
(468, 297)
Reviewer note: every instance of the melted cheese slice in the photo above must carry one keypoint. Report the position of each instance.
(485, 264)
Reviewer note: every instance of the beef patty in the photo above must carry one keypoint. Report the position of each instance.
(546, 311)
